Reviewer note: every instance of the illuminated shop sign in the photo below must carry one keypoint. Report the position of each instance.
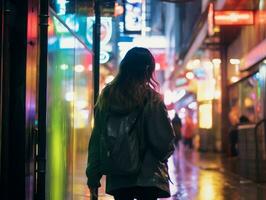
(106, 30)
(234, 17)
(133, 16)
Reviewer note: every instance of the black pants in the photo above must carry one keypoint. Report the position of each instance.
(139, 193)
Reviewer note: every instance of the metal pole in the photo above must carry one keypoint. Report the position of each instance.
(225, 108)
(41, 157)
(96, 60)
(96, 49)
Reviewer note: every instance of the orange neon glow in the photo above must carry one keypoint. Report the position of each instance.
(261, 16)
(210, 20)
(234, 17)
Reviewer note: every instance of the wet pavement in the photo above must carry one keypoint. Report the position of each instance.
(209, 176)
(205, 176)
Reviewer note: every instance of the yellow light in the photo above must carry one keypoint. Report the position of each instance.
(205, 89)
(92, 122)
(80, 121)
(210, 189)
(248, 102)
(216, 61)
(216, 29)
(234, 61)
(234, 79)
(192, 64)
(205, 116)
(217, 94)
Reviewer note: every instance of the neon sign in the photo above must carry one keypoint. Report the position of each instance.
(133, 16)
(234, 17)
(106, 29)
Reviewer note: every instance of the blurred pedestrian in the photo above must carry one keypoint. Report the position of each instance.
(243, 119)
(233, 133)
(177, 125)
(134, 89)
(188, 132)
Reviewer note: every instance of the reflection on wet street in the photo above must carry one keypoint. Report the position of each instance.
(199, 176)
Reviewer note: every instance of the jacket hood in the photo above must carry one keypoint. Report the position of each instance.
(122, 109)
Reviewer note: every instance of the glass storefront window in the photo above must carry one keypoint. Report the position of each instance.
(245, 99)
(69, 112)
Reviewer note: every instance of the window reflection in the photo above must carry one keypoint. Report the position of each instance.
(69, 105)
(246, 99)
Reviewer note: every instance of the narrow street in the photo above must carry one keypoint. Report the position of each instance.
(63, 61)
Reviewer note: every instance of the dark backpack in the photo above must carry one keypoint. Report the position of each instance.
(121, 145)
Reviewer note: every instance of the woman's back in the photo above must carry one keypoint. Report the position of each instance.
(132, 89)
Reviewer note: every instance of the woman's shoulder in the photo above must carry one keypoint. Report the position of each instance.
(154, 97)
(155, 102)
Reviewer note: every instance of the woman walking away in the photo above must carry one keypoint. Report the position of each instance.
(130, 113)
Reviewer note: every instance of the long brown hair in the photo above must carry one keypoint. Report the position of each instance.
(134, 81)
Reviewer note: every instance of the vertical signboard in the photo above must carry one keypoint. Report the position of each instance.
(132, 16)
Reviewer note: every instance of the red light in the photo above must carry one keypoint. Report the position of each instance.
(234, 18)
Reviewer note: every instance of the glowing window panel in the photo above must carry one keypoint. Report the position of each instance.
(205, 116)
(205, 90)
(133, 16)
(234, 18)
